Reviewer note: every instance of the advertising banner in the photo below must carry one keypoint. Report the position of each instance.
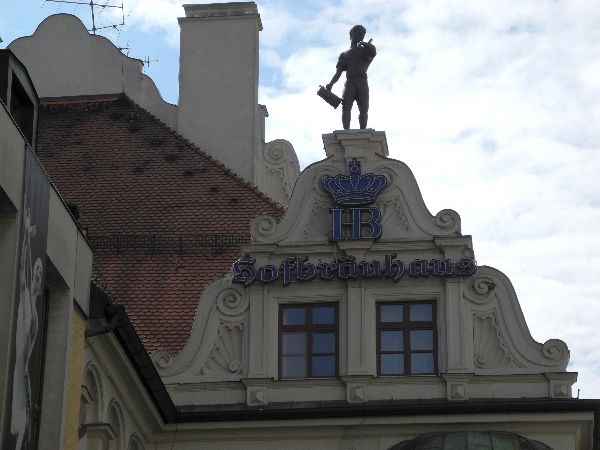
(24, 393)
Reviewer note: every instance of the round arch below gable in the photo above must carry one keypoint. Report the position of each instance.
(470, 440)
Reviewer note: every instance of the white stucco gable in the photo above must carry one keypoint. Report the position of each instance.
(483, 348)
(65, 60)
(405, 215)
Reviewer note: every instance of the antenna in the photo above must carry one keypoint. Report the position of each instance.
(147, 61)
(93, 5)
(125, 48)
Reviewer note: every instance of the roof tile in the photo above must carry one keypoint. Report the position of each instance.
(131, 175)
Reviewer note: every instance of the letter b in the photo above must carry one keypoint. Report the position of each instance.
(356, 223)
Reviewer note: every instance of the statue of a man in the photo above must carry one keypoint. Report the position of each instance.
(355, 62)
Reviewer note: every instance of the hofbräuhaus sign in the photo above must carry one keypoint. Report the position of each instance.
(353, 218)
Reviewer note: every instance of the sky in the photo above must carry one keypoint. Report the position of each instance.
(494, 105)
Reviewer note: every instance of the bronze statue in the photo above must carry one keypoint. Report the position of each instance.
(355, 62)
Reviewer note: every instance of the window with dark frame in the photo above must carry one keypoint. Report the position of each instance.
(308, 340)
(406, 338)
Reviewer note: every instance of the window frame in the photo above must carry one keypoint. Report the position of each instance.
(309, 329)
(406, 327)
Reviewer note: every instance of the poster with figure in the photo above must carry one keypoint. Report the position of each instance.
(29, 324)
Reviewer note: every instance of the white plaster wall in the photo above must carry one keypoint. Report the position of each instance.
(69, 251)
(64, 59)
(218, 82)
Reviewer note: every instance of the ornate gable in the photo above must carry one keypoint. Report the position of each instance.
(415, 318)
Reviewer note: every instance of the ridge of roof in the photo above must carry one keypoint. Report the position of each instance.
(56, 102)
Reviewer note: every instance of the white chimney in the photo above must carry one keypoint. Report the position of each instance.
(218, 82)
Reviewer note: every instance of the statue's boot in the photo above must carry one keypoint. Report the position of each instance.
(362, 120)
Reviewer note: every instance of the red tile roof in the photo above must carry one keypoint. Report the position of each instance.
(164, 218)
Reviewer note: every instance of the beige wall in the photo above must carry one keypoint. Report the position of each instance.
(74, 377)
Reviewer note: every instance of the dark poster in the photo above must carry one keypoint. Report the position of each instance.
(24, 393)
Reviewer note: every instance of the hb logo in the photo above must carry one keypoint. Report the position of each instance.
(353, 191)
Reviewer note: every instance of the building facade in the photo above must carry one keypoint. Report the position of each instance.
(198, 291)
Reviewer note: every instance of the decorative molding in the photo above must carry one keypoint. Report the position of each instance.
(405, 214)
(216, 350)
(560, 384)
(357, 388)
(394, 220)
(479, 290)
(489, 344)
(318, 223)
(448, 220)
(162, 359)
(232, 303)
(263, 227)
(502, 341)
(98, 434)
(457, 387)
(280, 170)
(226, 354)
(257, 391)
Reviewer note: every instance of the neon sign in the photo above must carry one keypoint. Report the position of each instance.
(353, 192)
(297, 270)
(353, 216)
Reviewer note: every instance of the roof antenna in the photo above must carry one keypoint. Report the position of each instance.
(93, 5)
(147, 61)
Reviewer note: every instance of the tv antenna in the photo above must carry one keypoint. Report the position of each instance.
(92, 4)
(147, 61)
(125, 48)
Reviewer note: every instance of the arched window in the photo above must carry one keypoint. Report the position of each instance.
(135, 443)
(90, 397)
(114, 418)
(470, 440)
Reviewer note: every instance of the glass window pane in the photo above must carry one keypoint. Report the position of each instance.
(392, 341)
(293, 343)
(294, 367)
(421, 312)
(323, 366)
(323, 343)
(323, 315)
(421, 340)
(391, 313)
(392, 364)
(294, 316)
(421, 363)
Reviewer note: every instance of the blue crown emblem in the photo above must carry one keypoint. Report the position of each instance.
(354, 189)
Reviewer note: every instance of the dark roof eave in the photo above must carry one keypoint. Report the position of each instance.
(102, 304)
(389, 408)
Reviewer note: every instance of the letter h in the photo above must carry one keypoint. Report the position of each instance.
(356, 223)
